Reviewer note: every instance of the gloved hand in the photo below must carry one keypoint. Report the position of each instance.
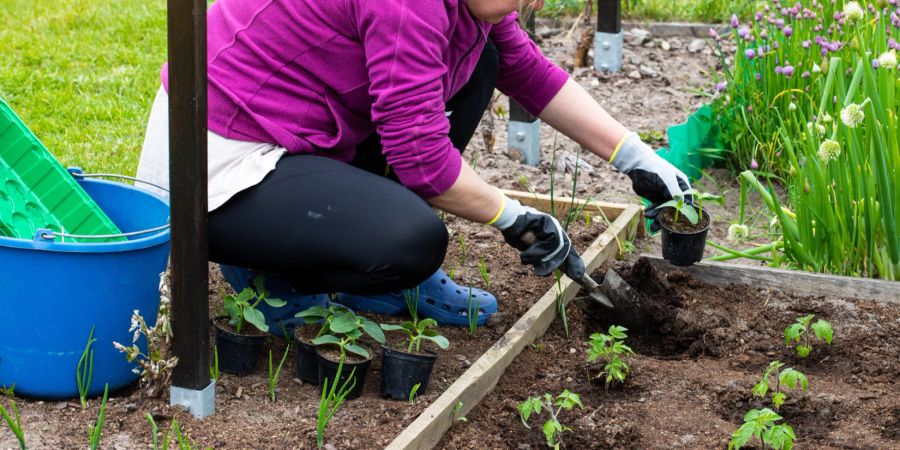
(539, 237)
(652, 177)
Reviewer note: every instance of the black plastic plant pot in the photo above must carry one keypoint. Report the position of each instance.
(307, 361)
(683, 248)
(328, 370)
(401, 371)
(237, 352)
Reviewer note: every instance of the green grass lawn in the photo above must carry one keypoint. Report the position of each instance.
(82, 75)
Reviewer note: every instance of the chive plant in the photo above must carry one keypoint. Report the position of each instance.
(13, 421)
(84, 371)
(812, 103)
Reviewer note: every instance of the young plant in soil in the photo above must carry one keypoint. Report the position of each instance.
(307, 361)
(798, 333)
(332, 399)
(417, 330)
(241, 308)
(183, 442)
(214, 367)
(85, 369)
(273, 374)
(790, 378)
(610, 348)
(97, 429)
(760, 423)
(692, 212)
(345, 330)
(13, 421)
(401, 372)
(472, 314)
(553, 428)
(482, 268)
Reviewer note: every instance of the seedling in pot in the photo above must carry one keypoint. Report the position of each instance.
(417, 331)
(610, 348)
(553, 428)
(691, 212)
(761, 424)
(346, 329)
(273, 374)
(14, 421)
(798, 333)
(790, 378)
(322, 316)
(85, 369)
(241, 308)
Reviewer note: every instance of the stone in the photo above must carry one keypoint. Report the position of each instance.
(696, 45)
(637, 36)
(329, 447)
(595, 83)
(648, 71)
(634, 74)
(664, 44)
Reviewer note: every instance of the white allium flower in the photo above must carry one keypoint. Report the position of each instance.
(792, 106)
(829, 150)
(816, 68)
(888, 60)
(853, 12)
(820, 130)
(852, 115)
(827, 118)
(738, 232)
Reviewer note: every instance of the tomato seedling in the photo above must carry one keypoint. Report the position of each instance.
(553, 429)
(798, 333)
(790, 378)
(610, 348)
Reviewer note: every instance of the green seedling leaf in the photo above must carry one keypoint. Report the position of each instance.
(344, 323)
(245, 295)
(690, 213)
(778, 399)
(392, 327)
(551, 428)
(326, 339)
(790, 378)
(568, 400)
(805, 320)
(256, 318)
(440, 341)
(760, 389)
(823, 330)
(275, 302)
(314, 312)
(354, 348)
(618, 332)
(373, 330)
(803, 350)
(780, 437)
(793, 333)
(532, 405)
(743, 435)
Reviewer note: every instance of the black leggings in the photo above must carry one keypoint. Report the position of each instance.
(328, 226)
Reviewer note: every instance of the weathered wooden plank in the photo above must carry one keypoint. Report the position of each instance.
(792, 281)
(563, 204)
(426, 431)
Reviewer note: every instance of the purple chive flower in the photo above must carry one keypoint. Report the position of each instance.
(720, 86)
(750, 108)
(734, 21)
(806, 43)
(876, 64)
(779, 23)
(753, 164)
(779, 69)
(744, 32)
(713, 34)
(758, 76)
(759, 16)
(763, 34)
(788, 71)
(805, 74)
(750, 53)
(788, 31)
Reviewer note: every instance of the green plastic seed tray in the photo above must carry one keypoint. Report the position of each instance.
(37, 192)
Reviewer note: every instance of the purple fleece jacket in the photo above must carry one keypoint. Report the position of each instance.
(319, 76)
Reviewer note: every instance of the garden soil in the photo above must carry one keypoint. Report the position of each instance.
(693, 371)
(662, 82)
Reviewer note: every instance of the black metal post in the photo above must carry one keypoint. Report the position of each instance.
(609, 16)
(187, 181)
(608, 38)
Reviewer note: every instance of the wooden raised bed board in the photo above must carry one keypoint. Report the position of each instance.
(468, 390)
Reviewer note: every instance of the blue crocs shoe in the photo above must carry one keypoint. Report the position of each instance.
(439, 298)
(240, 278)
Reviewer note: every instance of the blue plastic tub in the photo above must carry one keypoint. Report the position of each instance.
(54, 292)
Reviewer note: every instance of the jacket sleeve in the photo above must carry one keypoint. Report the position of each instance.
(526, 75)
(404, 43)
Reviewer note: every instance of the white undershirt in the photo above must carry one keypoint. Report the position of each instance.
(232, 166)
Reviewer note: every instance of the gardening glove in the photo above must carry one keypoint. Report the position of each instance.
(652, 177)
(539, 237)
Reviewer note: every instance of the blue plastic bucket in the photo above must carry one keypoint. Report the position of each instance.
(54, 292)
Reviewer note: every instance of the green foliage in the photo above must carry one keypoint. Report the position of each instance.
(183, 442)
(798, 334)
(610, 348)
(417, 331)
(242, 307)
(332, 399)
(13, 421)
(760, 423)
(97, 429)
(482, 268)
(84, 371)
(273, 374)
(214, 367)
(455, 415)
(472, 313)
(691, 212)
(323, 316)
(553, 429)
(706, 11)
(790, 378)
(413, 391)
(345, 329)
